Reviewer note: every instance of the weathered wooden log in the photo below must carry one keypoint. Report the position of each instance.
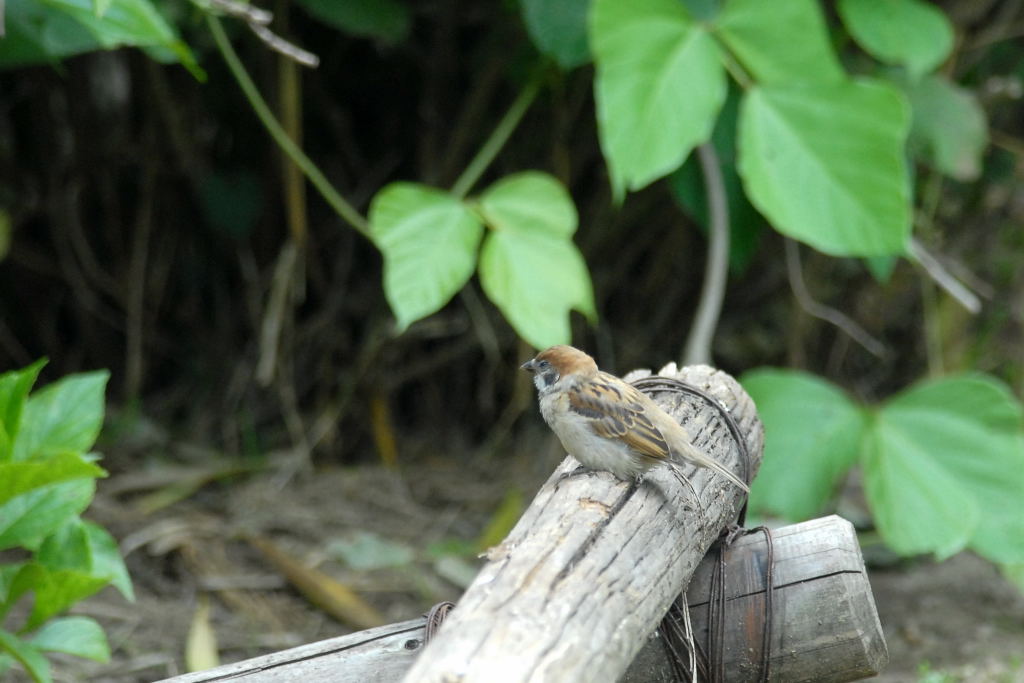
(825, 627)
(585, 576)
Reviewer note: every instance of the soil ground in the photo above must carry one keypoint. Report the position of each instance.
(953, 621)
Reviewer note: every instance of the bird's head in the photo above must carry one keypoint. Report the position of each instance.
(558, 363)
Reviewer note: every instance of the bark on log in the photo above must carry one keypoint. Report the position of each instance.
(593, 564)
(825, 626)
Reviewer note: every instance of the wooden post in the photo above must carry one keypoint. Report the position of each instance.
(825, 627)
(594, 563)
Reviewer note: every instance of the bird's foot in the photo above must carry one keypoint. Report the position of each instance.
(580, 469)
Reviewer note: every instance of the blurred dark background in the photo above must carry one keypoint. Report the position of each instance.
(147, 224)
(147, 213)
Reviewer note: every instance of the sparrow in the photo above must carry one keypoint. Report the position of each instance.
(607, 424)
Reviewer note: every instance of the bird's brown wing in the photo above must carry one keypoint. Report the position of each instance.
(616, 411)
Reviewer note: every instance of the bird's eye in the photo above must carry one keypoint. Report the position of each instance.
(544, 364)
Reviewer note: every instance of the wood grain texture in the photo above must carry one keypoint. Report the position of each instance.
(825, 626)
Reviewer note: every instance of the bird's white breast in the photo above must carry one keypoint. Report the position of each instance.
(580, 441)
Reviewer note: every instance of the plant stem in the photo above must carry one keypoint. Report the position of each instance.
(259, 105)
(819, 310)
(698, 344)
(465, 182)
(917, 253)
(736, 70)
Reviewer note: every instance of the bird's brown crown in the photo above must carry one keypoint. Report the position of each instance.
(568, 360)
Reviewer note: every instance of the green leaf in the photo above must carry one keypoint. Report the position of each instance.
(14, 388)
(949, 129)
(27, 519)
(429, 240)
(659, 86)
(529, 202)
(385, 20)
(950, 469)
(559, 29)
(64, 416)
(529, 266)
(780, 42)
(126, 22)
(812, 437)
(703, 10)
(106, 559)
(825, 164)
(89, 549)
(881, 267)
(37, 34)
(135, 23)
(917, 505)
(100, 7)
(363, 550)
(79, 636)
(689, 188)
(27, 654)
(17, 478)
(7, 574)
(911, 33)
(54, 590)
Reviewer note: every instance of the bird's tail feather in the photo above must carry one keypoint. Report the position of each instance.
(693, 455)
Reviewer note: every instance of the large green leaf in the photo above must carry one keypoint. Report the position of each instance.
(386, 20)
(559, 29)
(659, 86)
(27, 519)
(38, 34)
(14, 388)
(126, 22)
(918, 506)
(17, 478)
(947, 469)
(824, 163)
(780, 42)
(64, 416)
(949, 129)
(812, 435)
(530, 202)
(429, 240)
(529, 266)
(80, 636)
(912, 33)
(134, 23)
(951, 451)
(27, 654)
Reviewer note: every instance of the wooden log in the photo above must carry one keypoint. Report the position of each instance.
(825, 627)
(585, 576)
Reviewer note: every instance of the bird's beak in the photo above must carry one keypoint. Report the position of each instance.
(528, 365)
